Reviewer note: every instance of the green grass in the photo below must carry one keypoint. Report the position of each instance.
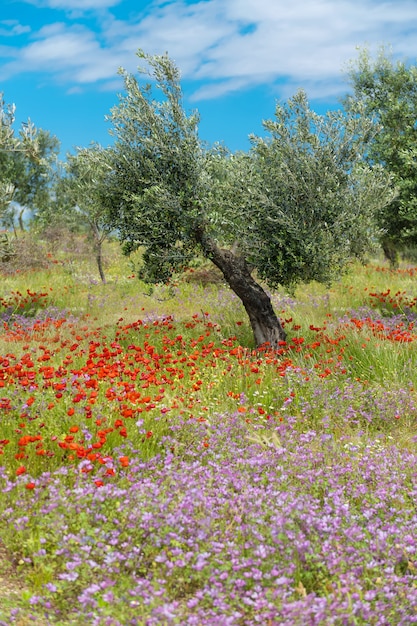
(186, 351)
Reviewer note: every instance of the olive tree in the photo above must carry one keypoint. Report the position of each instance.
(80, 190)
(386, 90)
(26, 158)
(298, 206)
(34, 178)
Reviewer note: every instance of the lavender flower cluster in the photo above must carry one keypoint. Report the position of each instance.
(392, 321)
(305, 531)
(27, 322)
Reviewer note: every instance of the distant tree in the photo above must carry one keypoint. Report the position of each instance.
(33, 179)
(59, 212)
(80, 193)
(297, 207)
(26, 160)
(387, 91)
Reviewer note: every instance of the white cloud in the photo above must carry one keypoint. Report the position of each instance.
(218, 89)
(70, 54)
(186, 32)
(74, 5)
(222, 45)
(304, 42)
(11, 28)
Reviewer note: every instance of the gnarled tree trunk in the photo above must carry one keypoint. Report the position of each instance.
(99, 259)
(265, 324)
(98, 246)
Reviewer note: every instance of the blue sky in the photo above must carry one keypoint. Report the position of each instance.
(59, 58)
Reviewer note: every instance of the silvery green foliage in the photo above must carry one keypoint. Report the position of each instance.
(386, 90)
(298, 206)
(313, 207)
(9, 141)
(26, 159)
(80, 190)
(85, 176)
(301, 204)
(156, 189)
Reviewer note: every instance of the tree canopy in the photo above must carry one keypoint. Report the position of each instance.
(386, 90)
(80, 190)
(298, 206)
(26, 158)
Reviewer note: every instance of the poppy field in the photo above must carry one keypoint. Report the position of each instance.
(155, 469)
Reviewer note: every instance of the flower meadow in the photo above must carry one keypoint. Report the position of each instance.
(155, 469)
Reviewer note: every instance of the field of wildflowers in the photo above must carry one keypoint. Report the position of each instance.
(156, 470)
